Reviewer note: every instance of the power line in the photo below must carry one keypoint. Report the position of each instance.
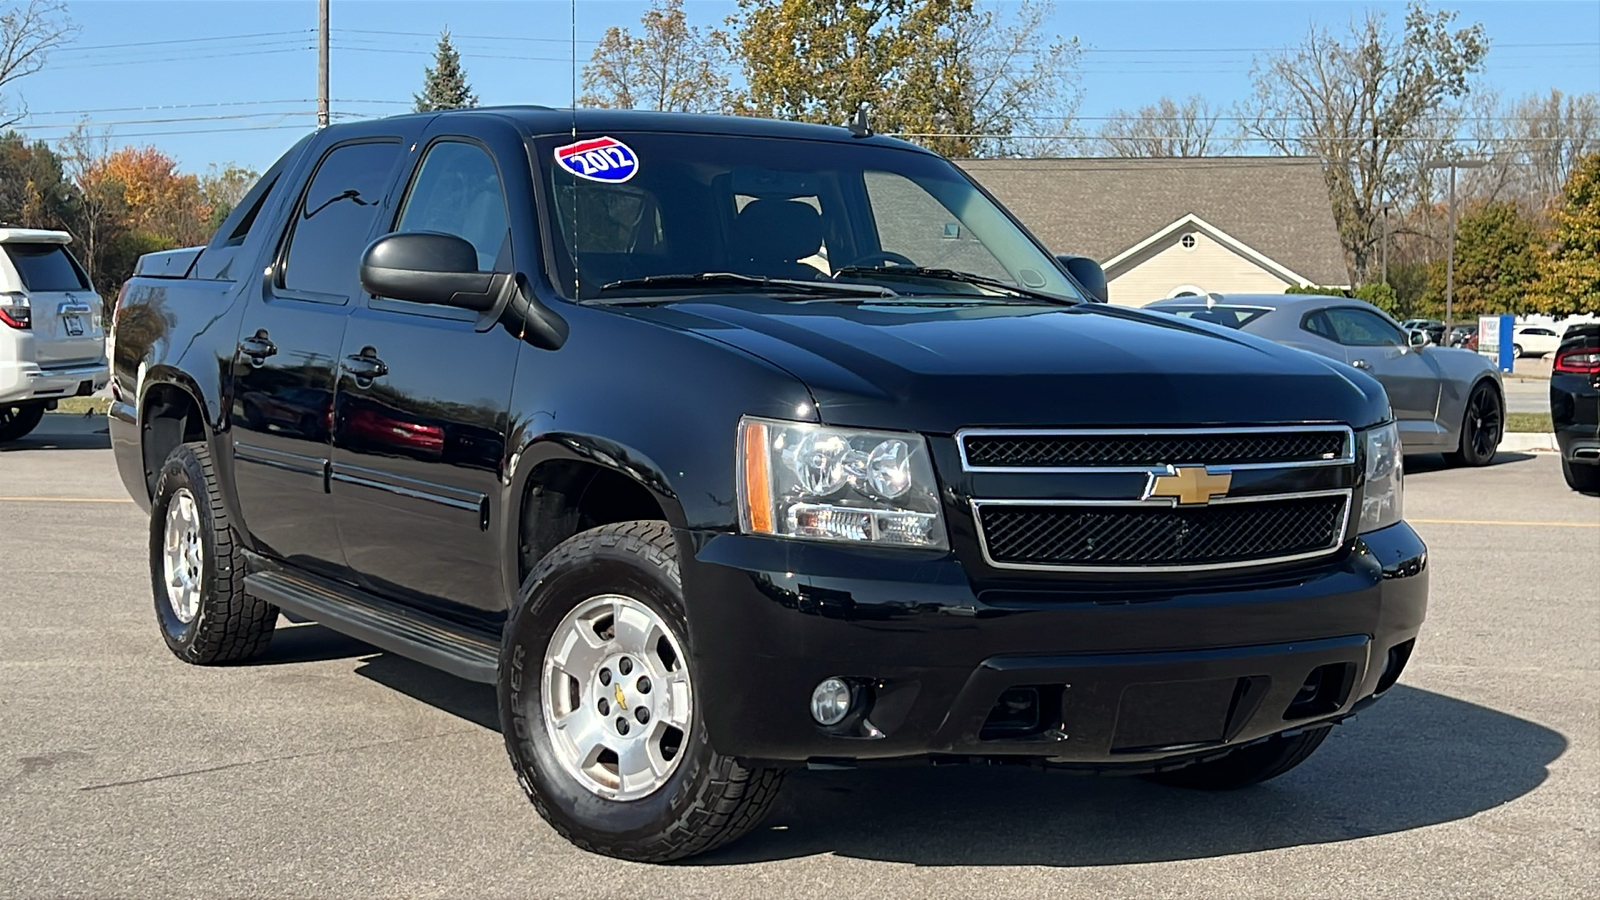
(193, 40)
(184, 59)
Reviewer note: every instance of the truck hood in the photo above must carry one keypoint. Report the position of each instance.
(938, 367)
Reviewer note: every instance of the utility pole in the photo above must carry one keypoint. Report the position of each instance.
(322, 63)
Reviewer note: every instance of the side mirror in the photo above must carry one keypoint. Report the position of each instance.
(1087, 273)
(429, 267)
(1417, 338)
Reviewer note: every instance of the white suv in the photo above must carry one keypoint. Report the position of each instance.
(1535, 340)
(52, 344)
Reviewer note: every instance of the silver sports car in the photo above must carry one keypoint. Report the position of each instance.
(1446, 400)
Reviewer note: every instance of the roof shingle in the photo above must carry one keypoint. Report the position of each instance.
(1278, 205)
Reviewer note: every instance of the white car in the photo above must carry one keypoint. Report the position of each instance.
(1535, 340)
(52, 344)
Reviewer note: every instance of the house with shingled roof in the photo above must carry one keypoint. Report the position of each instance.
(1168, 227)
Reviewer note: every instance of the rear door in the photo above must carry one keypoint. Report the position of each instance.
(424, 395)
(282, 408)
(66, 310)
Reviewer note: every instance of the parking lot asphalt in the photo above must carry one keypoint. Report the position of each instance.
(330, 769)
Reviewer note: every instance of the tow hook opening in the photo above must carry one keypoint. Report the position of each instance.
(1323, 691)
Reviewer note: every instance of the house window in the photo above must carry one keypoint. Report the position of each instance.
(1187, 241)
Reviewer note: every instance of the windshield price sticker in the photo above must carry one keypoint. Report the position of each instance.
(600, 159)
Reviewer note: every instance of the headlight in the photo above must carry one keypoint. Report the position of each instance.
(837, 484)
(1380, 498)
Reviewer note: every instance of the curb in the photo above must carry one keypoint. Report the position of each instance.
(1513, 441)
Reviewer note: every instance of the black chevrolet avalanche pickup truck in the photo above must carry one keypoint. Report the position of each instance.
(728, 446)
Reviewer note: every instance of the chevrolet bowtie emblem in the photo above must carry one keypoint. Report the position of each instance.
(622, 702)
(1189, 485)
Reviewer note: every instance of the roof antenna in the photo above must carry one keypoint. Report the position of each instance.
(860, 126)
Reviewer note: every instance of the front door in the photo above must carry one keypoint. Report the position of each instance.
(1411, 380)
(282, 409)
(423, 399)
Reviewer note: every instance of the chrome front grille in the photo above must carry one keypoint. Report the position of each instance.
(1010, 450)
(1144, 530)
(1158, 536)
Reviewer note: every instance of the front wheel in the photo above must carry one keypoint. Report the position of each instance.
(1482, 426)
(1247, 765)
(17, 422)
(1516, 351)
(597, 704)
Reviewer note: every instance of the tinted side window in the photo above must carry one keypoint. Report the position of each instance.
(458, 191)
(1317, 323)
(333, 222)
(1360, 328)
(46, 267)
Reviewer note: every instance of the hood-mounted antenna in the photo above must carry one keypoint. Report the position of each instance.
(860, 126)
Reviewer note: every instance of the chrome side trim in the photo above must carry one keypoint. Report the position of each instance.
(1168, 502)
(1347, 457)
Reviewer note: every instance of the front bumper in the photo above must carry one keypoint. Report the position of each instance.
(26, 381)
(1116, 675)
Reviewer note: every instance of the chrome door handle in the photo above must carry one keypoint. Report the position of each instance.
(1362, 364)
(364, 367)
(257, 347)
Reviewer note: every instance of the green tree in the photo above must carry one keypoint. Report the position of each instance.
(34, 189)
(1569, 269)
(671, 66)
(947, 73)
(1496, 261)
(444, 84)
(223, 187)
(1357, 102)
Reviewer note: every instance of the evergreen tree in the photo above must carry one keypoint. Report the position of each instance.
(444, 84)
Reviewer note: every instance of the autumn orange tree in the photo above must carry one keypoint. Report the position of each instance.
(1569, 269)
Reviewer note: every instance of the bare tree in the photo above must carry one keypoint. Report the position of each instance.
(1532, 145)
(1356, 101)
(1166, 128)
(671, 66)
(1023, 81)
(27, 35)
(101, 206)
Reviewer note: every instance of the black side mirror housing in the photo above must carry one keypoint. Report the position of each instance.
(429, 267)
(1087, 273)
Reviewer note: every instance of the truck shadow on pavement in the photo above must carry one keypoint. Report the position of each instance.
(1416, 759)
(1435, 462)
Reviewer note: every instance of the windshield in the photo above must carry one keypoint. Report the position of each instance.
(631, 206)
(1231, 316)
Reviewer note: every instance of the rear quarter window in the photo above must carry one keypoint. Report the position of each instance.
(46, 267)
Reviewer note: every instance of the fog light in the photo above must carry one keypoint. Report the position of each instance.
(830, 701)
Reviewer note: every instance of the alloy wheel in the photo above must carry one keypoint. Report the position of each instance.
(182, 558)
(1484, 423)
(616, 697)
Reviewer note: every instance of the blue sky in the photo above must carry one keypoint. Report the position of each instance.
(214, 81)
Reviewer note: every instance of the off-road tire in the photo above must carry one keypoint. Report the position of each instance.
(709, 800)
(17, 422)
(1247, 765)
(1581, 477)
(1467, 453)
(230, 626)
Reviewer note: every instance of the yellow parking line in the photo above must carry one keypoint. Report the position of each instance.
(66, 499)
(1504, 522)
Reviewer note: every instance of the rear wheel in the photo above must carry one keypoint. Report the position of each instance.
(17, 422)
(1247, 765)
(597, 704)
(1581, 477)
(1482, 426)
(1516, 351)
(196, 568)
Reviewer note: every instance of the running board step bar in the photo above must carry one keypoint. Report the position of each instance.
(408, 632)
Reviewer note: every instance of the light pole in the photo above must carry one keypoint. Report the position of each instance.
(1450, 260)
(1384, 208)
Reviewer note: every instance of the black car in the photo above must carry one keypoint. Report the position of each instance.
(726, 446)
(1575, 405)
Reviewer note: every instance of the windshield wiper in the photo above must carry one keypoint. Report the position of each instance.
(949, 275)
(754, 282)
